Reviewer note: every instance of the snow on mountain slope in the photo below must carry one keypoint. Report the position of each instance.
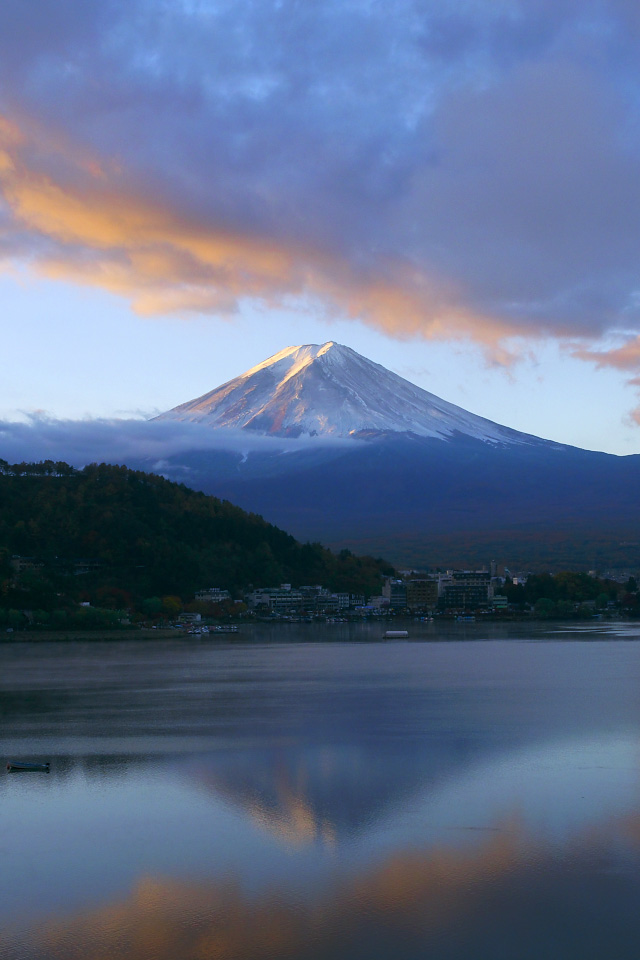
(332, 391)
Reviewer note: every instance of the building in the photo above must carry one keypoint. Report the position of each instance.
(395, 591)
(499, 602)
(212, 595)
(379, 603)
(280, 600)
(422, 594)
(308, 600)
(465, 590)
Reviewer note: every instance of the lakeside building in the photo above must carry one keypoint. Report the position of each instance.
(284, 600)
(395, 592)
(422, 594)
(190, 618)
(319, 599)
(377, 604)
(455, 590)
(465, 590)
(280, 600)
(499, 602)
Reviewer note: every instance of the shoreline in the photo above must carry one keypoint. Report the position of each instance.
(145, 634)
(136, 633)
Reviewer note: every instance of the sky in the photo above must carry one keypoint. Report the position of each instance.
(452, 189)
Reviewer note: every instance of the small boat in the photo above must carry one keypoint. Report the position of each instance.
(18, 766)
(396, 635)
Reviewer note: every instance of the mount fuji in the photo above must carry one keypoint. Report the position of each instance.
(336, 448)
(332, 391)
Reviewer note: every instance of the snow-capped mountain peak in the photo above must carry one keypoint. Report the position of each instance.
(330, 390)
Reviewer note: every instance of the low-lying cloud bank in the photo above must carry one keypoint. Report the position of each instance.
(80, 442)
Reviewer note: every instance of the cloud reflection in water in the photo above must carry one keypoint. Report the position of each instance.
(507, 897)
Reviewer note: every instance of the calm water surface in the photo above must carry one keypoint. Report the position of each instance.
(475, 794)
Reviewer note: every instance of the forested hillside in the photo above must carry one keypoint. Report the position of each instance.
(107, 528)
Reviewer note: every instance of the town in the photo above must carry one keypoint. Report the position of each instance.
(453, 593)
(493, 592)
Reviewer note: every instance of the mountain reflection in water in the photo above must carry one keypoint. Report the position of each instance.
(327, 794)
(455, 801)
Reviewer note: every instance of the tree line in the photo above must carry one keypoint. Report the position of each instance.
(557, 595)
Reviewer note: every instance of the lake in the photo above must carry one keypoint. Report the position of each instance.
(311, 792)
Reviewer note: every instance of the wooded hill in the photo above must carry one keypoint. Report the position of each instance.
(140, 533)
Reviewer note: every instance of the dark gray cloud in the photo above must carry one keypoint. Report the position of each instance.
(466, 168)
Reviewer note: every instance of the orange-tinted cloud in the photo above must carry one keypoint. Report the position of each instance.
(625, 358)
(76, 216)
(91, 224)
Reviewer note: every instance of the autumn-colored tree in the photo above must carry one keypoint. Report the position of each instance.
(172, 606)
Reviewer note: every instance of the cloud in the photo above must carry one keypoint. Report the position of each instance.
(80, 442)
(467, 170)
(625, 357)
(89, 223)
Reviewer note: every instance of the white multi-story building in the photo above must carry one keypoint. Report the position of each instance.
(213, 595)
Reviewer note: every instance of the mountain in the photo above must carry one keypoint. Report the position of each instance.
(336, 448)
(332, 391)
